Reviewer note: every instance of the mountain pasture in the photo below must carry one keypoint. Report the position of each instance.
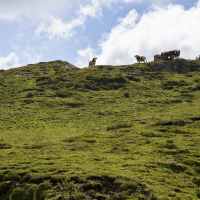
(103, 132)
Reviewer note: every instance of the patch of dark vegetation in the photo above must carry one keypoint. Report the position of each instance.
(198, 193)
(126, 95)
(55, 179)
(71, 139)
(174, 151)
(28, 101)
(195, 118)
(176, 167)
(5, 146)
(196, 180)
(43, 80)
(12, 176)
(169, 84)
(118, 126)
(104, 82)
(39, 178)
(34, 146)
(132, 78)
(62, 93)
(42, 186)
(75, 104)
(196, 87)
(176, 123)
(151, 134)
(90, 141)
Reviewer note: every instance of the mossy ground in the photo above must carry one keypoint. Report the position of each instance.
(104, 132)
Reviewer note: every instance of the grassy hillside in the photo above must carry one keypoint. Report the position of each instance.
(104, 132)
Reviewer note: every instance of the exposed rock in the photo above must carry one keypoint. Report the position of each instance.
(180, 66)
(24, 75)
(176, 163)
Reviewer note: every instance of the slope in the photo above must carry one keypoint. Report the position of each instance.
(104, 132)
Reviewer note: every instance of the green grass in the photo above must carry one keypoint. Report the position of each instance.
(104, 132)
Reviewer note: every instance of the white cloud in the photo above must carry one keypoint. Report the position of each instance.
(10, 61)
(37, 9)
(59, 28)
(43, 9)
(85, 56)
(31, 59)
(92, 10)
(52, 14)
(160, 29)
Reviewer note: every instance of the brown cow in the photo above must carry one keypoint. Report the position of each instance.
(157, 57)
(198, 57)
(165, 55)
(172, 54)
(140, 58)
(177, 53)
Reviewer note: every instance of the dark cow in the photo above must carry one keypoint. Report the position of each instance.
(140, 58)
(170, 55)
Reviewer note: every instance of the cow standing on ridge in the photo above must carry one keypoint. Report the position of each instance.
(140, 58)
(177, 53)
(198, 57)
(170, 55)
(157, 57)
(92, 62)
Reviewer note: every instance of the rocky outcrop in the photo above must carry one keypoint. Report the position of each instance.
(180, 66)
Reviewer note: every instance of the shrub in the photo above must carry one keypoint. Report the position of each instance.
(141, 197)
(126, 95)
(175, 167)
(5, 146)
(198, 193)
(40, 177)
(40, 192)
(170, 146)
(119, 126)
(57, 179)
(92, 193)
(93, 185)
(116, 197)
(196, 180)
(17, 194)
(12, 176)
(129, 186)
(3, 187)
(28, 191)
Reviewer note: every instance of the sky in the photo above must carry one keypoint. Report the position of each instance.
(111, 30)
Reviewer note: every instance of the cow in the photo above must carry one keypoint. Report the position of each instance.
(165, 55)
(177, 53)
(157, 57)
(172, 54)
(140, 58)
(92, 62)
